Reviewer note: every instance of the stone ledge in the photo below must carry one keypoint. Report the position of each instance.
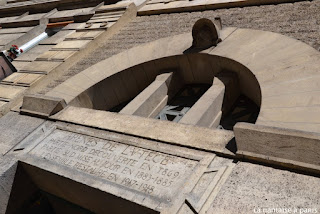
(174, 133)
(42, 106)
(285, 147)
(190, 6)
(38, 6)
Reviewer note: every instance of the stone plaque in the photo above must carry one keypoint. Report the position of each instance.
(154, 173)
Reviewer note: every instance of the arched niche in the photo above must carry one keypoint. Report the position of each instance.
(195, 68)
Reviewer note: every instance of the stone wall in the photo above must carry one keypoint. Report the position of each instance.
(300, 20)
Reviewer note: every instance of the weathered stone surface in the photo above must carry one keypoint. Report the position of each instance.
(3, 2)
(56, 55)
(2, 103)
(7, 173)
(117, 162)
(84, 35)
(301, 99)
(7, 38)
(170, 6)
(71, 45)
(252, 187)
(29, 79)
(107, 15)
(294, 147)
(74, 26)
(104, 20)
(42, 106)
(118, 6)
(9, 92)
(69, 14)
(31, 17)
(58, 37)
(15, 30)
(145, 172)
(19, 64)
(73, 196)
(13, 78)
(40, 67)
(296, 114)
(14, 128)
(186, 135)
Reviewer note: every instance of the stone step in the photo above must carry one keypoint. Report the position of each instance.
(40, 67)
(71, 45)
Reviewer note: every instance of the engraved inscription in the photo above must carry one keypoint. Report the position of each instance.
(144, 170)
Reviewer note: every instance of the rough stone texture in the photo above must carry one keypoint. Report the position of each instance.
(277, 143)
(3, 2)
(252, 186)
(7, 92)
(7, 172)
(101, 150)
(300, 20)
(42, 106)
(165, 131)
(14, 128)
(99, 159)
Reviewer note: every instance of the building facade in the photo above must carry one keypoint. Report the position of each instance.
(159, 106)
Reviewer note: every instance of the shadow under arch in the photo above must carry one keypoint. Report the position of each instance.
(196, 68)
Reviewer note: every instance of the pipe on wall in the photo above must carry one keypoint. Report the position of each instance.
(34, 42)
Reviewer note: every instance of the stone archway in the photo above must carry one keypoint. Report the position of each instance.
(286, 70)
(116, 91)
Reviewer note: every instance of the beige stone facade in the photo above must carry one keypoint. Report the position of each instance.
(204, 106)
